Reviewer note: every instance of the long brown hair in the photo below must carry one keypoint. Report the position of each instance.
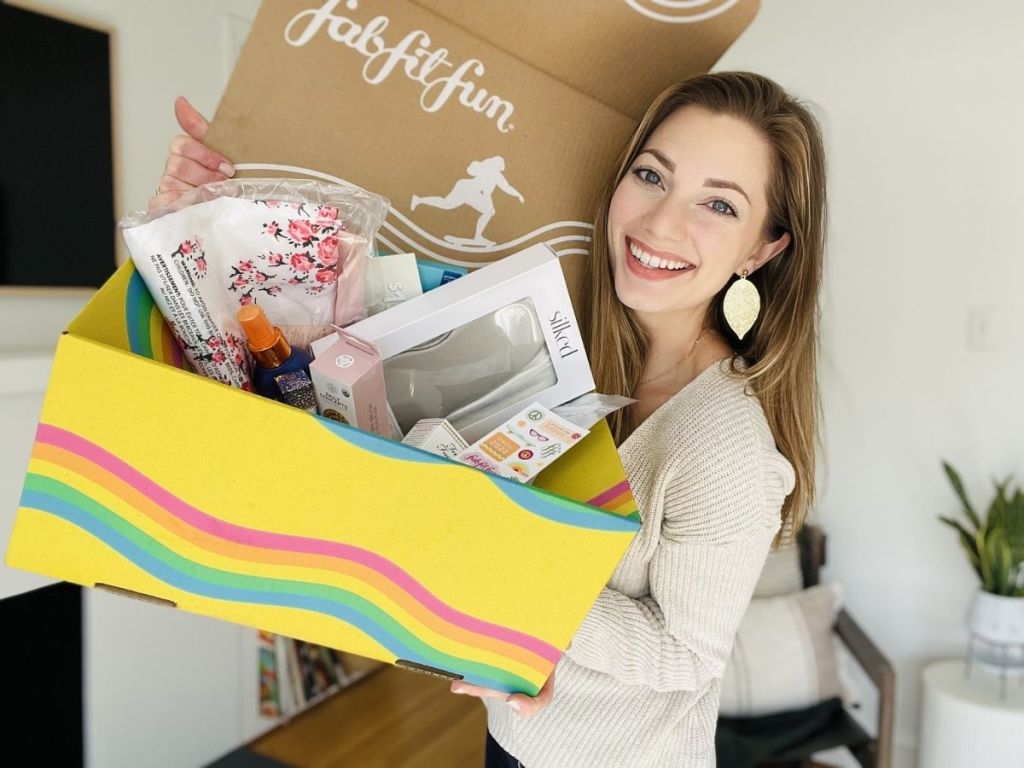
(781, 349)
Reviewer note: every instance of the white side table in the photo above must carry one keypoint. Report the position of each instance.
(964, 722)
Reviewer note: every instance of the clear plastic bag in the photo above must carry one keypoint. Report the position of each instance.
(586, 410)
(472, 373)
(296, 247)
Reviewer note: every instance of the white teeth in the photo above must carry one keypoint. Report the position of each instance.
(654, 261)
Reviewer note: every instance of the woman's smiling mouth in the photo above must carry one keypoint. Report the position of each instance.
(649, 264)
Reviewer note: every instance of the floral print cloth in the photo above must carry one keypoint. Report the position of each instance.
(203, 262)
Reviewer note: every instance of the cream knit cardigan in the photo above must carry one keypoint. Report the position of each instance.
(639, 687)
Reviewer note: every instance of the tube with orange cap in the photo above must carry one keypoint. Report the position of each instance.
(271, 351)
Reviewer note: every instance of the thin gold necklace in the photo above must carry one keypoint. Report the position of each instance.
(676, 364)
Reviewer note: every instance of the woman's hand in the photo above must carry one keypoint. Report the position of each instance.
(190, 162)
(523, 705)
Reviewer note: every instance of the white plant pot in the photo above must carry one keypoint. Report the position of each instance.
(996, 618)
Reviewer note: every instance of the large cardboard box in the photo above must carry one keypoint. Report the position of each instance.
(490, 125)
(154, 481)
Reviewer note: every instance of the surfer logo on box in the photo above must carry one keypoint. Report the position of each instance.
(476, 192)
(412, 55)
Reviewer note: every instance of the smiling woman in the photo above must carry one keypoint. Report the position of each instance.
(725, 172)
(721, 192)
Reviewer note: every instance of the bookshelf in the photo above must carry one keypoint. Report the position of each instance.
(293, 675)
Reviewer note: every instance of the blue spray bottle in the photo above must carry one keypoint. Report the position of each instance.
(271, 351)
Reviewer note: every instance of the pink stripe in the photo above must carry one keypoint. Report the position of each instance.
(611, 493)
(69, 441)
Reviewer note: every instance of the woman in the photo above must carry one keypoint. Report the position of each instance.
(720, 191)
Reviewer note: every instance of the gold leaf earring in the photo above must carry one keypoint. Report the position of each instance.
(741, 306)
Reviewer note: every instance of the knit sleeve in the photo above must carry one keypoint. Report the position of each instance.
(720, 512)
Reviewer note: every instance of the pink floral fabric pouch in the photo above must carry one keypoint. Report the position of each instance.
(297, 248)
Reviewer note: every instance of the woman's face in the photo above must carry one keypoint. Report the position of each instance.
(690, 212)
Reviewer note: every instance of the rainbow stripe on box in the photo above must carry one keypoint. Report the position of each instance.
(83, 465)
(618, 499)
(148, 333)
(540, 502)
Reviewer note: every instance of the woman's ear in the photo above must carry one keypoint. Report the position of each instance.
(766, 252)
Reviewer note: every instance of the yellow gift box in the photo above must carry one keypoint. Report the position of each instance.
(149, 479)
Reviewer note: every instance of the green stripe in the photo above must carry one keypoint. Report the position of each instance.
(50, 486)
(138, 307)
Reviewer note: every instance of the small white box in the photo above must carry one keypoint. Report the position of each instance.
(445, 356)
(436, 436)
(391, 280)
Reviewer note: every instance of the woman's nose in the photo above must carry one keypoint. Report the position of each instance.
(669, 220)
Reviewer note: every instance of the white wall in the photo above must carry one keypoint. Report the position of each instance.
(162, 688)
(924, 122)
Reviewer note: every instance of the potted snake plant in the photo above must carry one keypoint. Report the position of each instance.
(994, 544)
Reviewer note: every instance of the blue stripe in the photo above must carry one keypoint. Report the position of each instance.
(169, 575)
(536, 501)
(136, 292)
(382, 446)
(584, 516)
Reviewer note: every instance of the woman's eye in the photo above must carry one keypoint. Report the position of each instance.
(720, 206)
(648, 176)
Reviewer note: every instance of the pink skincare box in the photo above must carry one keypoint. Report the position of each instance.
(348, 381)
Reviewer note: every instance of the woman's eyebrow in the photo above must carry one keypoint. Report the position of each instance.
(723, 184)
(661, 157)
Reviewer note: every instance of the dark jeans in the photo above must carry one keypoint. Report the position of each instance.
(496, 757)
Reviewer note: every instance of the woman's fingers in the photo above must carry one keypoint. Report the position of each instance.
(163, 200)
(531, 705)
(190, 163)
(524, 705)
(182, 173)
(191, 122)
(187, 147)
(476, 690)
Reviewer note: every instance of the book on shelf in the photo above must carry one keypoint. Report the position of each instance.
(289, 700)
(270, 690)
(295, 674)
(334, 666)
(316, 679)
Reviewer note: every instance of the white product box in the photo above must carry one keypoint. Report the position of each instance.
(391, 280)
(481, 348)
(438, 437)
